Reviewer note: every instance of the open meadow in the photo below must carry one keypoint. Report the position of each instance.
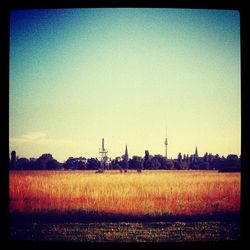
(148, 193)
(163, 195)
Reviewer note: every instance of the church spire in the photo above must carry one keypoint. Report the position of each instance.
(196, 152)
(126, 159)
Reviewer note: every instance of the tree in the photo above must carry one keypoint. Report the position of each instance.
(13, 160)
(75, 163)
(33, 165)
(52, 164)
(155, 164)
(162, 160)
(147, 160)
(205, 157)
(22, 163)
(43, 159)
(217, 162)
(115, 164)
(232, 162)
(193, 165)
(203, 165)
(136, 163)
(93, 164)
(177, 164)
(179, 157)
(169, 164)
(184, 158)
(184, 165)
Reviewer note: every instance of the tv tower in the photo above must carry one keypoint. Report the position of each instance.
(166, 145)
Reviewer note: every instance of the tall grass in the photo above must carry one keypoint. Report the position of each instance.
(147, 193)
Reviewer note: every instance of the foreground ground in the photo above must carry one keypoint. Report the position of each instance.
(151, 206)
(128, 232)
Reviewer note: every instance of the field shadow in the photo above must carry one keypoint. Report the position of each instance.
(88, 217)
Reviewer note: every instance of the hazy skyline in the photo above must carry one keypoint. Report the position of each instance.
(80, 75)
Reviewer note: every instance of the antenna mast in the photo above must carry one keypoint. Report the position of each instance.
(166, 145)
(103, 153)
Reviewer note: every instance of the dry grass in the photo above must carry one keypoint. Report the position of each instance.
(148, 193)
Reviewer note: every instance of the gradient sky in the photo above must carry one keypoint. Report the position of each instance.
(78, 75)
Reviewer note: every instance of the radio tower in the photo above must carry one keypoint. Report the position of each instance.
(166, 145)
(103, 153)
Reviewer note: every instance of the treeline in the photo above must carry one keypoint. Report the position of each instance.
(148, 162)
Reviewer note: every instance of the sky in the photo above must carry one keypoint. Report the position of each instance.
(130, 76)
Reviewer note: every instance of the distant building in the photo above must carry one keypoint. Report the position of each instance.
(166, 147)
(105, 160)
(196, 156)
(126, 159)
(13, 160)
(179, 157)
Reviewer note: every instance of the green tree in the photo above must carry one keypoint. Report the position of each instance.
(155, 164)
(43, 159)
(52, 164)
(93, 164)
(147, 160)
(136, 163)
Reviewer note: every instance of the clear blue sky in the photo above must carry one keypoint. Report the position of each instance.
(77, 75)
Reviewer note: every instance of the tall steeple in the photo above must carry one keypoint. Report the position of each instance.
(126, 152)
(196, 154)
(126, 158)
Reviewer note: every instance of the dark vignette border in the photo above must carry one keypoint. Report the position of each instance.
(7, 6)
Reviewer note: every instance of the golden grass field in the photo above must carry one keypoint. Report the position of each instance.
(148, 193)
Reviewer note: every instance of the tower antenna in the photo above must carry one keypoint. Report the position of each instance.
(104, 157)
(166, 145)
